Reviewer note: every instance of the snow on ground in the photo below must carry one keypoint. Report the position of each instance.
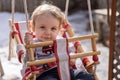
(79, 22)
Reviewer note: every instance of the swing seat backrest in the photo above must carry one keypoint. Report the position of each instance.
(21, 28)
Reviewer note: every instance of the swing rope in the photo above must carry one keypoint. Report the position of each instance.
(95, 57)
(13, 11)
(26, 14)
(30, 50)
(90, 16)
(14, 34)
(11, 47)
(66, 8)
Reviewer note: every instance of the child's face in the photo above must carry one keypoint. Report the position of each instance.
(47, 27)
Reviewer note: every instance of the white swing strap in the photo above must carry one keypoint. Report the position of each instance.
(62, 58)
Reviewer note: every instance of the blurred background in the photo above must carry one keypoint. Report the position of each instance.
(74, 6)
(78, 17)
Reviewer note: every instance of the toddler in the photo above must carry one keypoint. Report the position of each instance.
(47, 21)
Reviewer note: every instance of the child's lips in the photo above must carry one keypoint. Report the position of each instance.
(47, 38)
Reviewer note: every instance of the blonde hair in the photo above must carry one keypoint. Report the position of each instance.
(50, 9)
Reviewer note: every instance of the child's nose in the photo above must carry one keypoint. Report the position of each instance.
(48, 32)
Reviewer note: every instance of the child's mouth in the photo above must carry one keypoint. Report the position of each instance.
(47, 38)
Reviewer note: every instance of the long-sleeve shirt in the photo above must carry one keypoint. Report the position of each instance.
(43, 53)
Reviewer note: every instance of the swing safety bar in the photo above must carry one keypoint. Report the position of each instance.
(72, 39)
(73, 56)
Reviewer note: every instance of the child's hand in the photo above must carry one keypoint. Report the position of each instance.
(28, 38)
(90, 69)
(72, 61)
(65, 21)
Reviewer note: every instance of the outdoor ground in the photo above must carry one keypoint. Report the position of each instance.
(79, 22)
